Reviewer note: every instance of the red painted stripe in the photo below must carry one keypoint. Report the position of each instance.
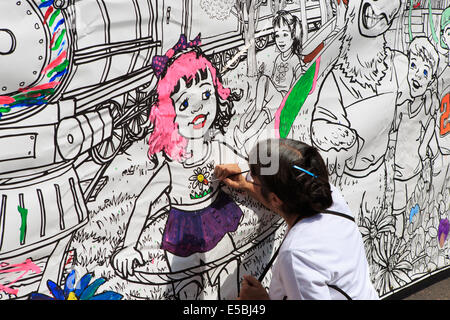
(6, 100)
(48, 13)
(49, 85)
(55, 62)
(311, 56)
(53, 39)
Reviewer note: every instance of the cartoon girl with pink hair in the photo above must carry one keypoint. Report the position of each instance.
(192, 111)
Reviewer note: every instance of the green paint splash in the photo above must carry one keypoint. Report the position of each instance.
(23, 226)
(59, 40)
(430, 18)
(53, 17)
(59, 68)
(409, 20)
(295, 100)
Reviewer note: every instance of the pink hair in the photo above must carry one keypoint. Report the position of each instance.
(165, 136)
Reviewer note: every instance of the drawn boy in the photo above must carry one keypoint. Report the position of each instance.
(415, 123)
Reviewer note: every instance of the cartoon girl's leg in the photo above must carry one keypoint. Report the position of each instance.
(55, 264)
(191, 284)
(188, 289)
(226, 279)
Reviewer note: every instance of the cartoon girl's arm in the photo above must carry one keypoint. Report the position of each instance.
(125, 260)
(159, 183)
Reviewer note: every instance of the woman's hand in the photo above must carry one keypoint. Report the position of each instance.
(237, 181)
(125, 260)
(252, 289)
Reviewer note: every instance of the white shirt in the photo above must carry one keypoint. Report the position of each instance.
(319, 251)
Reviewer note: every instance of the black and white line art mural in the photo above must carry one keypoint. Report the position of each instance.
(113, 115)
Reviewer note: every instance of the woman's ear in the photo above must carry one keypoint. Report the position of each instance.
(274, 201)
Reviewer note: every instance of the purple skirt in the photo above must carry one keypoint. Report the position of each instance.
(188, 232)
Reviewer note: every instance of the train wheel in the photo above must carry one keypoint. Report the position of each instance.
(261, 42)
(109, 148)
(229, 56)
(136, 126)
(216, 59)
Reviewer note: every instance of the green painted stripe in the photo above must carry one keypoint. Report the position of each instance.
(53, 17)
(59, 68)
(409, 20)
(60, 39)
(433, 32)
(295, 100)
(23, 226)
(43, 92)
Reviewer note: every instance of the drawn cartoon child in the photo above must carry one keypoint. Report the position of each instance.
(415, 125)
(270, 90)
(192, 110)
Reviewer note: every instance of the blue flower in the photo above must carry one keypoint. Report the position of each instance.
(80, 291)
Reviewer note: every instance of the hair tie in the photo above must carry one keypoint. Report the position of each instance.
(305, 171)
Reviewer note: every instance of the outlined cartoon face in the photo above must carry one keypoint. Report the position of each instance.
(283, 37)
(195, 107)
(376, 16)
(419, 75)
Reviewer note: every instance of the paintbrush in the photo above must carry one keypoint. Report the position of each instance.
(231, 175)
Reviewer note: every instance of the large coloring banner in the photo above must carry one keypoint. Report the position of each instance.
(114, 113)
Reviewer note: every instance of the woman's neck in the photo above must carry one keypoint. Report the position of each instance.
(290, 219)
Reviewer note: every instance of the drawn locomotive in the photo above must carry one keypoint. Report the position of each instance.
(76, 88)
(71, 88)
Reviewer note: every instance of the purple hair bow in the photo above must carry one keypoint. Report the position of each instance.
(159, 63)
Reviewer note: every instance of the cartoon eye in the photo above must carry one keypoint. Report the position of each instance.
(425, 72)
(413, 65)
(184, 104)
(206, 95)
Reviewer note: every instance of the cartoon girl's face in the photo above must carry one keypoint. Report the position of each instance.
(419, 75)
(195, 107)
(283, 37)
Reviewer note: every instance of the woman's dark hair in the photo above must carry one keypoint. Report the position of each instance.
(301, 193)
